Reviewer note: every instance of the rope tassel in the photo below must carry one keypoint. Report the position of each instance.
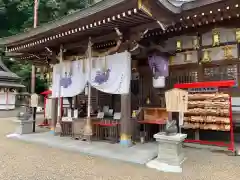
(93, 63)
(83, 65)
(105, 63)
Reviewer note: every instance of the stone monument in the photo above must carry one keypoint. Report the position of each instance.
(170, 151)
(26, 123)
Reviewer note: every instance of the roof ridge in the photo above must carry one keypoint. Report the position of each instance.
(7, 71)
(62, 20)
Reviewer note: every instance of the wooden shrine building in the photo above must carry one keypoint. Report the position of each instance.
(9, 85)
(202, 37)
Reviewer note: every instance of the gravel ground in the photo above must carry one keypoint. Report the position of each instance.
(26, 161)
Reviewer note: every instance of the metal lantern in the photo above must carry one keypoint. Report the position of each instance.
(238, 35)
(216, 38)
(206, 56)
(148, 101)
(228, 52)
(171, 60)
(179, 45)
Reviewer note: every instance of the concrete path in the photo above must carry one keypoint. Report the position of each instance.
(28, 161)
(139, 154)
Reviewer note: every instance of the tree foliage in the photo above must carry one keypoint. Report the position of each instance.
(17, 16)
(23, 70)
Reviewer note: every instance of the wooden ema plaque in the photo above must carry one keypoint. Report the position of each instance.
(176, 100)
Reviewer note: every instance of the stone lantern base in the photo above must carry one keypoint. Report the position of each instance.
(170, 153)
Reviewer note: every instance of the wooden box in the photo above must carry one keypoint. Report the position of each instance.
(78, 128)
(153, 114)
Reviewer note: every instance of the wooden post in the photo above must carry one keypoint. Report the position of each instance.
(35, 20)
(170, 116)
(53, 114)
(59, 111)
(126, 122)
(196, 134)
(88, 125)
(33, 78)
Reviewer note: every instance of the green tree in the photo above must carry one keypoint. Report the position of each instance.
(23, 70)
(17, 16)
(48, 10)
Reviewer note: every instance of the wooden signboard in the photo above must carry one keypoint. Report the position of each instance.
(176, 100)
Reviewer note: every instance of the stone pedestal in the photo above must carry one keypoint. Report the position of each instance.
(26, 127)
(26, 123)
(170, 153)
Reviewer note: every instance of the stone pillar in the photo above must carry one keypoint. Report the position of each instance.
(54, 114)
(126, 125)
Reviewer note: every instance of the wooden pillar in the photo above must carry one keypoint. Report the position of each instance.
(35, 21)
(126, 123)
(75, 102)
(54, 114)
(88, 125)
(58, 128)
(200, 66)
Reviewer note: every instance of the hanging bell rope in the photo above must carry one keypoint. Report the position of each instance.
(105, 63)
(83, 65)
(93, 63)
(84, 62)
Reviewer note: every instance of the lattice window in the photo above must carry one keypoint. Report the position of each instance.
(229, 72)
(94, 98)
(104, 99)
(182, 77)
(175, 77)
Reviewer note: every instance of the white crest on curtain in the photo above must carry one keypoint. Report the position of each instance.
(73, 79)
(115, 79)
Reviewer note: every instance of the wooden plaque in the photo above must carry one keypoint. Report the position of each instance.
(176, 100)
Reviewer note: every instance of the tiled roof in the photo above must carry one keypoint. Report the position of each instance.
(174, 6)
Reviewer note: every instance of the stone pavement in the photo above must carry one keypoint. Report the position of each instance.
(9, 113)
(139, 154)
(28, 161)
